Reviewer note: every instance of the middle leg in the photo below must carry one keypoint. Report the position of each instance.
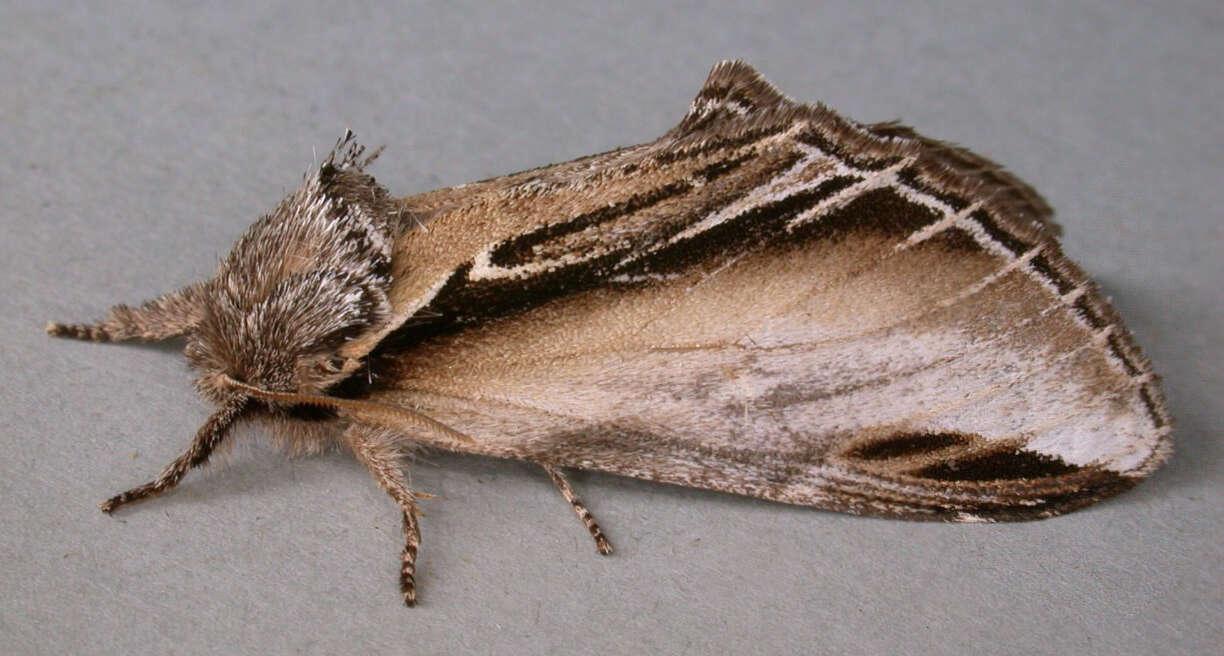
(376, 449)
(601, 542)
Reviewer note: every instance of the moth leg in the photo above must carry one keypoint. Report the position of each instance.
(211, 434)
(377, 451)
(601, 542)
(169, 315)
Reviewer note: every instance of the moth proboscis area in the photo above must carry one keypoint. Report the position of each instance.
(770, 300)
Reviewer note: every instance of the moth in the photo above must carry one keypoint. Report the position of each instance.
(769, 300)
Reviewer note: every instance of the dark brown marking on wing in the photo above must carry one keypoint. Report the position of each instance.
(521, 249)
(904, 445)
(704, 207)
(1084, 309)
(955, 240)
(1006, 465)
(995, 183)
(1018, 499)
(882, 210)
(718, 169)
(1004, 238)
(747, 231)
(1043, 266)
(722, 92)
(462, 301)
(891, 130)
(1115, 347)
(715, 143)
(1152, 407)
(812, 137)
(910, 177)
(1101, 484)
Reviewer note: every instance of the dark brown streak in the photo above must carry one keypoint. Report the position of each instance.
(1158, 418)
(1006, 239)
(910, 177)
(518, 251)
(903, 445)
(1085, 311)
(747, 231)
(717, 92)
(1017, 464)
(812, 137)
(1042, 265)
(462, 302)
(882, 210)
(1115, 346)
(717, 144)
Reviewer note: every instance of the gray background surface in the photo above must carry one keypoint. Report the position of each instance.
(138, 141)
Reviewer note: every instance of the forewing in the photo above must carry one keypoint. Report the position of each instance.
(777, 302)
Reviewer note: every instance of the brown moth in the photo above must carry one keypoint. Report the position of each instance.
(770, 300)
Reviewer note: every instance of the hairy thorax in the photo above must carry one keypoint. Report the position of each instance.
(302, 282)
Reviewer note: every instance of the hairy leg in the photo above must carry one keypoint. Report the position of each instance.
(166, 316)
(211, 434)
(375, 448)
(601, 542)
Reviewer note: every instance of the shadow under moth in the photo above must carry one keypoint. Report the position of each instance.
(769, 300)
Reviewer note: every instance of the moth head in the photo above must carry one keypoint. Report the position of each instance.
(289, 339)
(299, 284)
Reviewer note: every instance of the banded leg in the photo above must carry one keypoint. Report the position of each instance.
(166, 316)
(376, 450)
(211, 434)
(601, 542)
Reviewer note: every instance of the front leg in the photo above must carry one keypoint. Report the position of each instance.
(211, 434)
(376, 449)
